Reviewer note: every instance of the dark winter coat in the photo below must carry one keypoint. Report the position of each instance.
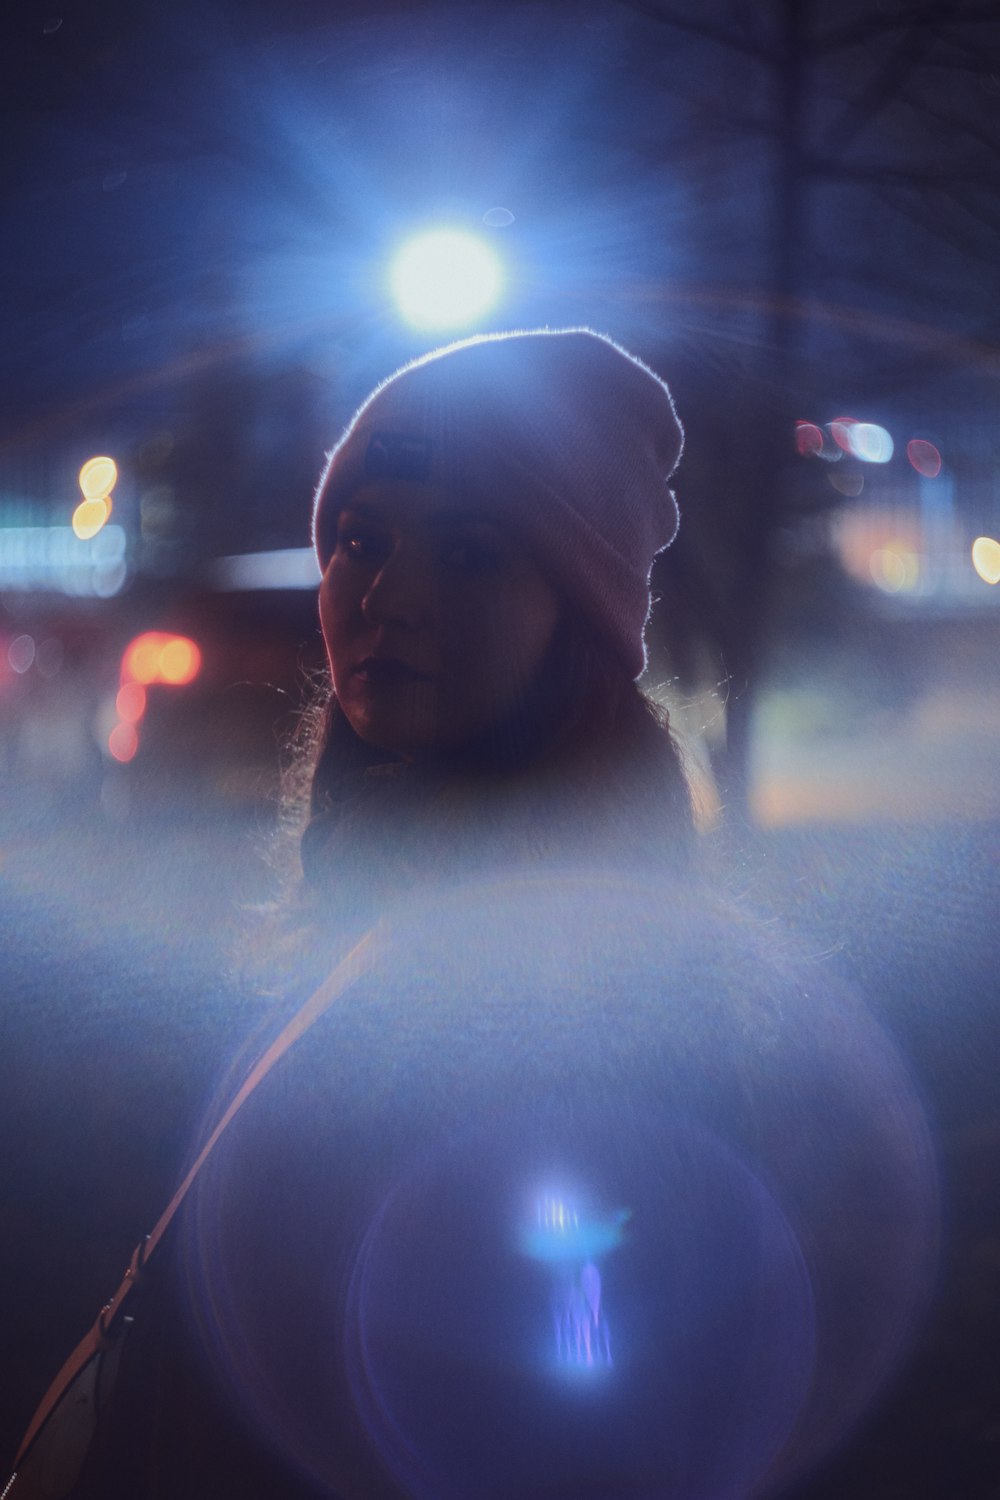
(583, 1188)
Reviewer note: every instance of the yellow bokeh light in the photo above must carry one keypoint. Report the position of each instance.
(894, 569)
(180, 661)
(98, 477)
(90, 516)
(986, 558)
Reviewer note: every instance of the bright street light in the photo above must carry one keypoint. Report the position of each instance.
(445, 279)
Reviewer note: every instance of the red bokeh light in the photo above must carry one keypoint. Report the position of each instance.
(808, 439)
(924, 457)
(130, 703)
(840, 431)
(123, 742)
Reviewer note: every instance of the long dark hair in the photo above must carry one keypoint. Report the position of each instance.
(601, 774)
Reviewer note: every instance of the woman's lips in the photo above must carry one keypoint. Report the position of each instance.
(389, 670)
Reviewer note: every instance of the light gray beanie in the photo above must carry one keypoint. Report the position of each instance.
(561, 433)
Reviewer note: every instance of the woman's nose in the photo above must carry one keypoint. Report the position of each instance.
(401, 593)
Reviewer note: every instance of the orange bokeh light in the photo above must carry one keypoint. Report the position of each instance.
(157, 656)
(123, 742)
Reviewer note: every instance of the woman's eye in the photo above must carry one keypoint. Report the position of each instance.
(359, 544)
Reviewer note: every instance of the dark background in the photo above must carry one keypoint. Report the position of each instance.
(790, 210)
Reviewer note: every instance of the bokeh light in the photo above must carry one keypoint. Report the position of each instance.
(21, 654)
(89, 517)
(123, 742)
(869, 442)
(808, 439)
(445, 279)
(924, 457)
(851, 483)
(180, 661)
(894, 568)
(986, 558)
(130, 704)
(840, 431)
(98, 477)
(156, 656)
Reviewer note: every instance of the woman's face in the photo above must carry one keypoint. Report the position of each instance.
(436, 620)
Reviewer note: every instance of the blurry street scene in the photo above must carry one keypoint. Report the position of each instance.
(788, 209)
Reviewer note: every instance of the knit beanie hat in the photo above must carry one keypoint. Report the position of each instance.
(560, 434)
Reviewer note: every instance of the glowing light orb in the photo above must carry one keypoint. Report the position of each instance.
(847, 484)
(21, 654)
(840, 431)
(90, 516)
(924, 457)
(180, 661)
(808, 439)
(98, 477)
(156, 656)
(986, 558)
(123, 742)
(130, 704)
(869, 442)
(894, 569)
(445, 279)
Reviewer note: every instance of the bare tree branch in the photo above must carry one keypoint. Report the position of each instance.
(891, 172)
(954, 122)
(875, 27)
(919, 212)
(694, 27)
(881, 89)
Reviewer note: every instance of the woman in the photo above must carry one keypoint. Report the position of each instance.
(486, 530)
(572, 1184)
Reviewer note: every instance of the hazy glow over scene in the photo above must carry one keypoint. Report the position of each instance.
(445, 279)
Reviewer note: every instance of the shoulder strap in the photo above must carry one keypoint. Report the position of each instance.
(342, 977)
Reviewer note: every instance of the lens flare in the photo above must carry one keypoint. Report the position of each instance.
(445, 279)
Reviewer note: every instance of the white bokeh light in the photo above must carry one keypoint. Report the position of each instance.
(445, 279)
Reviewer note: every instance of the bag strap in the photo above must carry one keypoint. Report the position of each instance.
(341, 978)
